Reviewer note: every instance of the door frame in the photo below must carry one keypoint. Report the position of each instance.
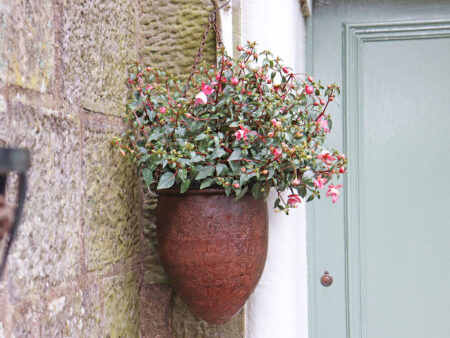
(353, 37)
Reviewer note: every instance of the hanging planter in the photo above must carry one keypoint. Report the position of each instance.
(213, 150)
(212, 248)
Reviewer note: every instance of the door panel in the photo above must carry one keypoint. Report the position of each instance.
(387, 242)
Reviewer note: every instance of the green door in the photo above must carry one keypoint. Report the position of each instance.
(386, 243)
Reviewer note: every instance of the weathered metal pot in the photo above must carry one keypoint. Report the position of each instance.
(212, 248)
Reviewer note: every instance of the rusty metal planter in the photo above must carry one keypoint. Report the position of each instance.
(212, 248)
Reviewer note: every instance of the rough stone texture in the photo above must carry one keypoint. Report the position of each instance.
(112, 204)
(25, 318)
(47, 250)
(27, 55)
(73, 315)
(121, 306)
(187, 325)
(99, 41)
(87, 241)
(153, 270)
(156, 315)
(171, 34)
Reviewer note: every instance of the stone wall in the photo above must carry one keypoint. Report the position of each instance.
(85, 260)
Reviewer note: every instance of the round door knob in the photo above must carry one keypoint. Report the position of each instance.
(326, 279)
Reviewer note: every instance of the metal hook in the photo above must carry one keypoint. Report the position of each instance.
(212, 15)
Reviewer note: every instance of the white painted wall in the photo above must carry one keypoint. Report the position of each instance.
(279, 305)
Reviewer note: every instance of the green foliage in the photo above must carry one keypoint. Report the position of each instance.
(248, 124)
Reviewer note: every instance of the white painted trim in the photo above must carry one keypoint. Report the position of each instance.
(225, 23)
(279, 305)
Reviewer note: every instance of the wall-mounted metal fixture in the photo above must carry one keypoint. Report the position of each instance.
(11, 160)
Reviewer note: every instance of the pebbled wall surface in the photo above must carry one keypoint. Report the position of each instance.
(85, 261)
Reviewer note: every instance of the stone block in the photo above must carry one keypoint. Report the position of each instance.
(111, 217)
(171, 32)
(156, 307)
(47, 248)
(153, 270)
(25, 318)
(91, 312)
(121, 306)
(186, 325)
(27, 39)
(99, 40)
(76, 314)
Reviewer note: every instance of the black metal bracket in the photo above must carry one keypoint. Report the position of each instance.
(13, 160)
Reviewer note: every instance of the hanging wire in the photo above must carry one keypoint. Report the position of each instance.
(211, 23)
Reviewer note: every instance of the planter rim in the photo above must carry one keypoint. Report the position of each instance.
(191, 192)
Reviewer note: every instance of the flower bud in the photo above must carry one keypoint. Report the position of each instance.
(236, 185)
(265, 172)
(296, 182)
(310, 79)
(309, 90)
(243, 169)
(240, 48)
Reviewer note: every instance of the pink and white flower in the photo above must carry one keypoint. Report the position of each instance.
(319, 182)
(242, 133)
(326, 157)
(163, 110)
(293, 200)
(207, 89)
(276, 123)
(323, 124)
(334, 192)
(342, 170)
(277, 153)
(202, 97)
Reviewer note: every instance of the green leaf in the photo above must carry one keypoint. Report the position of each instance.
(200, 137)
(244, 179)
(256, 191)
(227, 191)
(166, 181)
(241, 194)
(151, 114)
(182, 175)
(234, 124)
(207, 183)
(219, 168)
(235, 155)
(302, 191)
(185, 186)
(144, 158)
(148, 176)
(205, 172)
(218, 153)
(142, 150)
